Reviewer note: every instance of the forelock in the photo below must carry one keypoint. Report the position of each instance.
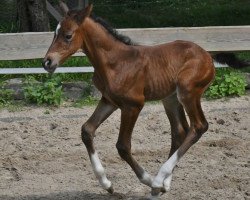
(58, 28)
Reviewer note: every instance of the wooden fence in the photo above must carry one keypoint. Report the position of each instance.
(20, 46)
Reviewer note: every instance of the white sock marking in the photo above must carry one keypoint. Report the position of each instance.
(165, 171)
(167, 182)
(146, 179)
(99, 171)
(57, 28)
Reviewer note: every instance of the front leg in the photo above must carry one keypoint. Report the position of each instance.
(129, 116)
(101, 113)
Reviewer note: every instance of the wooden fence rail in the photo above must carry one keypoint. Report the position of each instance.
(20, 46)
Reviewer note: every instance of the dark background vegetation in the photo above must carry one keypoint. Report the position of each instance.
(149, 13)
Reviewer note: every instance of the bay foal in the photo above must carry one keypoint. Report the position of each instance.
(127, 75)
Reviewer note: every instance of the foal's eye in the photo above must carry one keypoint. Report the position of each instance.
(68, 37)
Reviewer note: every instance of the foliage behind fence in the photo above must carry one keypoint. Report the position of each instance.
(149, 13)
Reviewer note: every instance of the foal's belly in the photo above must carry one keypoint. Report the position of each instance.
(158, 88)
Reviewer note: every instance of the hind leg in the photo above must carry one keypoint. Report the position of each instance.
(193, 79)
(179, 127)
(198, 126)
(178, 122)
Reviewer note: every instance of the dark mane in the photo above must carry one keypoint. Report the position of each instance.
(124, 39)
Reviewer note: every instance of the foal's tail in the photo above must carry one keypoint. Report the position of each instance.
(229, 59)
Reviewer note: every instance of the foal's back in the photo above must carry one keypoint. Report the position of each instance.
(165, 62)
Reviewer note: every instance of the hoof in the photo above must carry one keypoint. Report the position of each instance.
(155, 192)
(163, 190)
(110, 190)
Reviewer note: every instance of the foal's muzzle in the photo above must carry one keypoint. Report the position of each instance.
(49, 65)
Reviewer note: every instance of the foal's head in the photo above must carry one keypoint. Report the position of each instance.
(67, 39)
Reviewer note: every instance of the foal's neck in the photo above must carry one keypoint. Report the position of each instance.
(99, 45)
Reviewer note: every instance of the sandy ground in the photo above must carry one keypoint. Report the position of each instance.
(42, 156)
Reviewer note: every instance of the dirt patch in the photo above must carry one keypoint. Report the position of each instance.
(42, 156)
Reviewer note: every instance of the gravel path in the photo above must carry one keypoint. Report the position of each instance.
(42, 156)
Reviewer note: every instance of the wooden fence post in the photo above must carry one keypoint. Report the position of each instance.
(53, 11)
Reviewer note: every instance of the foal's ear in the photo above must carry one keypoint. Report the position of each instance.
(64, 8)
(86, 12)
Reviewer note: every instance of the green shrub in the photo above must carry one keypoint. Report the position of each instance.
(49, 92)
(6, 95)
(227, 82)
(87, 98)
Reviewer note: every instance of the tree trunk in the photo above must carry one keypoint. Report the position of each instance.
(23, 18)
(33, 15)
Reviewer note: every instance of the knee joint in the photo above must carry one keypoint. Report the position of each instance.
(199, 130)
(123, 150)
(87, 133)
(202, 128)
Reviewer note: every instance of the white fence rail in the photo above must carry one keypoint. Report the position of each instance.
(20, 46)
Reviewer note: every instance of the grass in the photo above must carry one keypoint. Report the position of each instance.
(13, 106)
(73, 61)
(244, 56)
(85, 101)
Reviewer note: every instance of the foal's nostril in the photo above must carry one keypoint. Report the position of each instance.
(46, 63)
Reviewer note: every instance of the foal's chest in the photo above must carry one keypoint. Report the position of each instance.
(103, 86)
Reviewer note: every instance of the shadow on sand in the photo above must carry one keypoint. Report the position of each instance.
(74, 195)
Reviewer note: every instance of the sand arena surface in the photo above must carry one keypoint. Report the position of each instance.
(42, 155)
